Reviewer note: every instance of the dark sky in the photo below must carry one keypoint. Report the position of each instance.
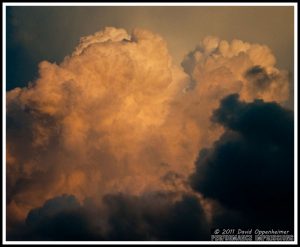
(50, 33)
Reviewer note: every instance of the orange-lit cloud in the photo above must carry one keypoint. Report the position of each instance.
(118, 116)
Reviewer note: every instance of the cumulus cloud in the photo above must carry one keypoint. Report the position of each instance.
(151, 216)
(117, 116)
(250, 168)
(60, 218)
(156, 216)
(85, 126)
(219, 67)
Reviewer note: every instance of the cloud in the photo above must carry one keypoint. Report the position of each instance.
(220, 68)
(61, 218)
(181, 27)
(117, 116)
(156, 216)
(91, 118)
(152, 216)
(250, 168)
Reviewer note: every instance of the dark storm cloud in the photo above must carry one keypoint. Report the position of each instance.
(52, 207)
(250, 168)
(156, 217)
(153, 216)
(61, 218)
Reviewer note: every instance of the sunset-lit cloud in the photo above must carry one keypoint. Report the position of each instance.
(117, 119)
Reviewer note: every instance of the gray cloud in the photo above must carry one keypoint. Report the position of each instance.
(154, 216)
(250, 168)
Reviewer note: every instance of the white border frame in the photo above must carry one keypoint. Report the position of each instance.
(4, 241)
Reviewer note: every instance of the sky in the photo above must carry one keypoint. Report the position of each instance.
(27, 35)
(148, 123)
